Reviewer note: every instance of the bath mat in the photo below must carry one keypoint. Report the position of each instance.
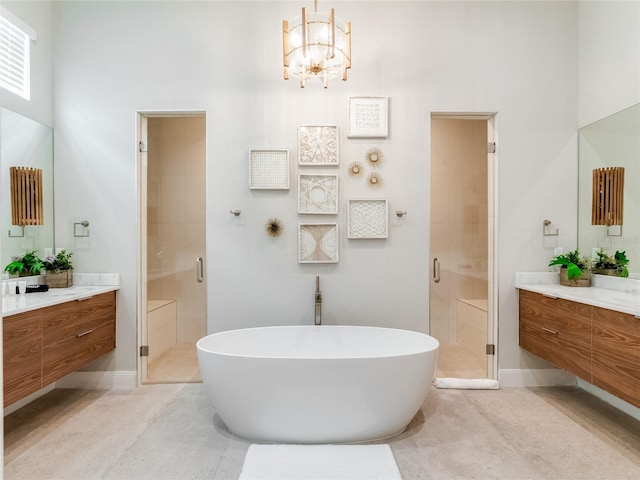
(319, 462)
(466, 383)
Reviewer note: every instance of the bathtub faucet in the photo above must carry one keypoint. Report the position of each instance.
(318, 315)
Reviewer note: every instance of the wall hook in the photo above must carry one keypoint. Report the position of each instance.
(401, 213)
(235, 212)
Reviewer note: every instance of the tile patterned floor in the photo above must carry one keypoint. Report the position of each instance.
(172, 432)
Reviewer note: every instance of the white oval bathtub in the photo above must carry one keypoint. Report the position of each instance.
(325, 384)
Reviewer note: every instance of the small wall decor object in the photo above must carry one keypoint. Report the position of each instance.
(607, 196)
(355, 168)
(318, 146)
(368, 117)
(274, 227)
(318, 194)
(318, 243)
(374, 156)
(26, 196)
(367, 218)
(374, 179)
(269, 169)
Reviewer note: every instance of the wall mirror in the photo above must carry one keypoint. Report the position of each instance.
(613, 141)
(25, 143)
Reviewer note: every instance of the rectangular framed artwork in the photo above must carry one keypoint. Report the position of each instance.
(318, 194)
(318, 243)
(318, 146)
(269, 169)
(368, 117)
(367, 218)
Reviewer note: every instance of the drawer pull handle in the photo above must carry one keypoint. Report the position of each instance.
(82, 334)
(553, 332)
(549, 296)
(84, 298)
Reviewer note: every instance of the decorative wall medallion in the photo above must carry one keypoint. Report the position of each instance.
(318, 243)
(318, 146)
(374, 156)
(374, 179)
(274, 227)
(355, 168)
(318, 194)
(269, 169)
(367, 218)
(368, 116)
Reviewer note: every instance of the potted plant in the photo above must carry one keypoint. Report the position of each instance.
(28, 264)
(612, 265)
(575, 269)
(59, 270)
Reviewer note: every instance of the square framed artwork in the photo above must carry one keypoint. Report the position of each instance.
(367, 218)
(318, 194)
(368, 117)
(318, 146)
(269, 169)
(318, 243)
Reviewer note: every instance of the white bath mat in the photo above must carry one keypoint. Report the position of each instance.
(466, 383)
(319, 462)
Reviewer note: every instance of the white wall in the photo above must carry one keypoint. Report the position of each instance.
(515, 58)
(609, 53)
(39, 16)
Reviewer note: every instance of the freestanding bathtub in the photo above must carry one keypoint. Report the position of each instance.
(324, 384)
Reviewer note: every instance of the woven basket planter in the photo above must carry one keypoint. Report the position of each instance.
(583, 281)
(62, 279)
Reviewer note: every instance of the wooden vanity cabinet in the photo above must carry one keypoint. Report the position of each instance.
(598, 345)
(616, 354)
(558, 331)
(76, 333)
(22, 355)
(44, 345)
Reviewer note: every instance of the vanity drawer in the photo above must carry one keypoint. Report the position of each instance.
(69, 355)
(68, 320)
(558, 331)
(616, 354)
(22, 355)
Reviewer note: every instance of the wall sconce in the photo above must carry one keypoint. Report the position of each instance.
(26, 196)
(607, 196)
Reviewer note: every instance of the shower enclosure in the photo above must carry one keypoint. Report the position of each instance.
(461, 244)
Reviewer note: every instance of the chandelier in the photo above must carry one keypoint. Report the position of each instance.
(316, 46)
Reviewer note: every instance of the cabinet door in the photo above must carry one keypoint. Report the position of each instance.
(76, 333)
(558, 331)
(616, 354)
(22, 355)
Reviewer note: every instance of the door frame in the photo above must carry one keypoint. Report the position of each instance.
(492, 119)
(141, 186)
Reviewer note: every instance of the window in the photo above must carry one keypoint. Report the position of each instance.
(15, 54)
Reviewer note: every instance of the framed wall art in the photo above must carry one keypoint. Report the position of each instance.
(269, 169)
(318, 194)
(367, 218)
(318, 243)
(318, 146)
(368, 117)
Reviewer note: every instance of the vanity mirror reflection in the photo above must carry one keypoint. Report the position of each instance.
(611, 142)
(25, 143)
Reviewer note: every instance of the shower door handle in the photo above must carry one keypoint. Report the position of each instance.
(199, 270)
(436, 270)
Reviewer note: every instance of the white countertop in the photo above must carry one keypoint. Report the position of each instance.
(621, 295)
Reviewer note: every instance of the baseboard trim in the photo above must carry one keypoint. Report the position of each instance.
(610, 399)
(99, 380)
(547, 377)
